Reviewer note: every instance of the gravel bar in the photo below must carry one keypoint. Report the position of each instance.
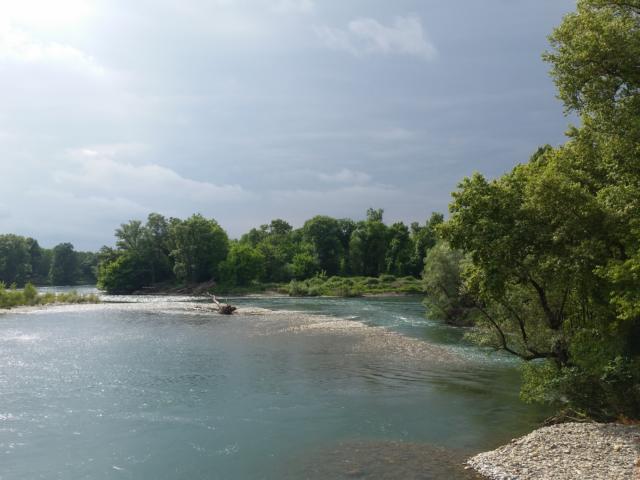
(566, 451)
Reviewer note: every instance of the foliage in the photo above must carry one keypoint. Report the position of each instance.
(554, 245)
(197, 246)
(64, 265)
(15, 260)
(197, 250)
(243, 265)
(127, 273)
(323, 233)
(14, 297)
(446, 298)
(353, 286)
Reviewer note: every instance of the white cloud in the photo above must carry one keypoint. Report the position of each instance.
(148, 184)
(346, 176)
(18, 45)
(405, 36)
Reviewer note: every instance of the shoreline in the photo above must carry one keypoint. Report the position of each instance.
(568, 451)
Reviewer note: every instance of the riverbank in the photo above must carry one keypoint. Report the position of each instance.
(30, 297)
(568, 451)
(319, 286)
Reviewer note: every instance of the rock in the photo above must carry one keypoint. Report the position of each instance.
(568, 451)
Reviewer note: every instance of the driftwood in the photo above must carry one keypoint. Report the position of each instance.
(223, 308)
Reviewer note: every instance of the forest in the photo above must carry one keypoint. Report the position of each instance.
(23, 260)
(197, 250)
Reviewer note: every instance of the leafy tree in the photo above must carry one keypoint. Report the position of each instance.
(399, 250)
(555, 243)
(346, 228)
(243, 265)
(87, 267)
(324, 234)
(124, 274)
(156, 247)
(275, 243)
(64, 265)
(368, 245)
(446, 297)
(305, 262)
(15, 260)
(423, 238)
(197, 246)
(131, 236)
(40, 260)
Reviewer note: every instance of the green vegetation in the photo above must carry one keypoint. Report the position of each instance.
(29, 295)
(327, 256)
(22, 260)
(352, 286)
(548, 255)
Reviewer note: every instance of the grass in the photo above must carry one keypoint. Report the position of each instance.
(29, 296)
(353, 286)
(321, 286)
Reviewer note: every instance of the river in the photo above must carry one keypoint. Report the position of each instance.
(157, 388)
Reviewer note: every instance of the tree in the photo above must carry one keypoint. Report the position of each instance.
(131, 236)
(40, 260)
(555, 244)
(197, 246)
(64, 265)
(368, 245)
(305, 263)
(446, 297)
(124, 274)
(324, 234)
(398, 255)
(243, 265)
(156, 247)
(15, 260)
(424, 238)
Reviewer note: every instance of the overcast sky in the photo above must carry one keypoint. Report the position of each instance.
(248, 110)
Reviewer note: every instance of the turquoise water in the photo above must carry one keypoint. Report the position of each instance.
(160, 390)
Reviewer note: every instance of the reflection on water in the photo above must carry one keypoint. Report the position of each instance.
(168, 390)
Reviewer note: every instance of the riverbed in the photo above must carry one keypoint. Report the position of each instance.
(162, 388)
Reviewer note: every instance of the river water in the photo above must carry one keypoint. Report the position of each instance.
(161, 388)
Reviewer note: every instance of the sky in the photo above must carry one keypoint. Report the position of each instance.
(250, 110)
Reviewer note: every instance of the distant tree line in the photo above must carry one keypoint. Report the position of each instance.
(198, 250)
(23, 260)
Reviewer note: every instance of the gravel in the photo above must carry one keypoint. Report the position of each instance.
(566, 451)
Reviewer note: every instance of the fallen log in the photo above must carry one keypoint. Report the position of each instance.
(223, 308)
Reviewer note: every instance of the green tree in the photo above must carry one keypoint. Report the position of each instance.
(197, 246)
(64, 265)
(555, 243)
(15, 260)
(243, 265)
(156, 247)
(423, 238)
(124, 273)
(446, 297)
(40, 262)
(305, 263)
(324, 234)
(399, 250)
(368, 245)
